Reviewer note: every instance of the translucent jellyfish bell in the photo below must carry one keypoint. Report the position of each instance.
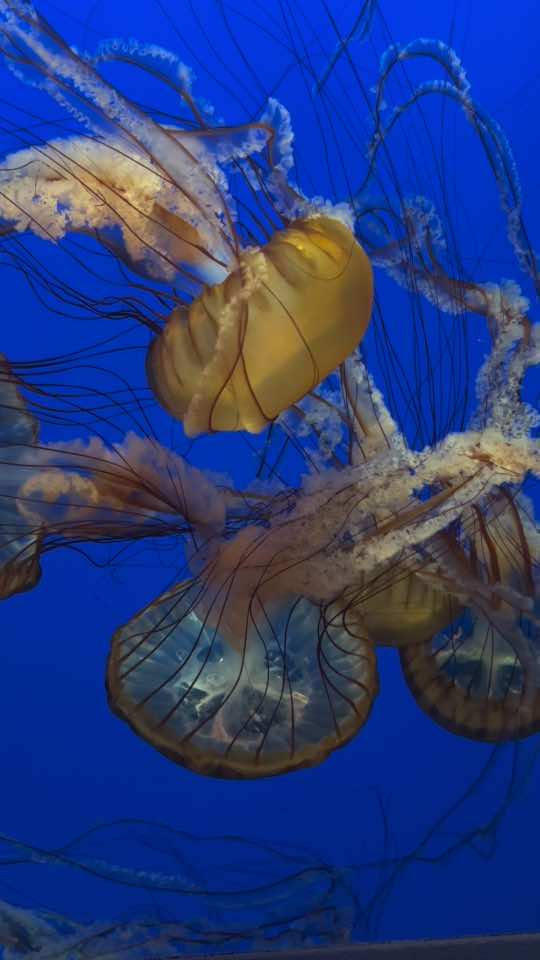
(248, 348)
(396, 608)
(299, 686)
(480, 678)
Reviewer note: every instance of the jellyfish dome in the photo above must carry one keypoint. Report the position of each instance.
(248, 348)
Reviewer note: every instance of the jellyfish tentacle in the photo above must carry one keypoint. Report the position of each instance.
(38, 53)
(19, 545)
(87, 491)
(492, 137)
(107, 183)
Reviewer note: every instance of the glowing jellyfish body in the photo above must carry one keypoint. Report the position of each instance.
(250, 347)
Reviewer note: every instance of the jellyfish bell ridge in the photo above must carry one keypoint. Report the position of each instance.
(249, 347)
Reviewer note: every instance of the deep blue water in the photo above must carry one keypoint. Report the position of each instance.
(67, 762)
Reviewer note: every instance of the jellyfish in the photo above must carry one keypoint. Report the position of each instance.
(284, 313)
(261, 658)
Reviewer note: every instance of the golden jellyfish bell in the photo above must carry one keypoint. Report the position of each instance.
(397, 609)
(249, 347)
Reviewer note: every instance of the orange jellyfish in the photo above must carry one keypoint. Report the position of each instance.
(286, 316)
(266, 322)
